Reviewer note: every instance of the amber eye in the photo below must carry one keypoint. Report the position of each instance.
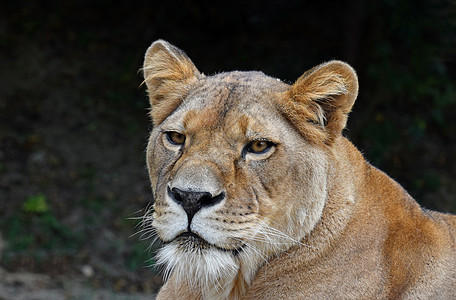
(259, 146)
(175, 138)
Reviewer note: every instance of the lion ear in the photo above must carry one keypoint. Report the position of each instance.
(318, 102)
(168, 72)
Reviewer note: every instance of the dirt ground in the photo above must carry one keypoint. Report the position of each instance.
(33, 286)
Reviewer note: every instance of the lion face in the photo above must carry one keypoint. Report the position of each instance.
(235, 179)
(223, 177)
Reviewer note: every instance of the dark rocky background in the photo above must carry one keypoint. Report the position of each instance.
(73, 124)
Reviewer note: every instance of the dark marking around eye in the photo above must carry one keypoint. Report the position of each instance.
(175, 138)
(257, 147)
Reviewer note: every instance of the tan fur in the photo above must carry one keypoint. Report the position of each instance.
(167, 72)
(307, 219)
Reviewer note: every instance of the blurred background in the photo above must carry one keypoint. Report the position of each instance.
(74, 125)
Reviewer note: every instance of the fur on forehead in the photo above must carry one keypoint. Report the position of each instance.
(234, 126)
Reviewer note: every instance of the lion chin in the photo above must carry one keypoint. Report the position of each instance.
(198, 264)
(258, 195)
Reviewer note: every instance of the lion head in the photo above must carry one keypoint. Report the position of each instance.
(239, 163)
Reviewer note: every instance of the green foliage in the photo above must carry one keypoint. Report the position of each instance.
(34, 231)
(140, 253)
(36, 204)
(408, 73)
(385, 133)
(430, 181)
(410, 62)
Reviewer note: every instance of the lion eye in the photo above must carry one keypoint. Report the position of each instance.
(258, 147)
(175, 138)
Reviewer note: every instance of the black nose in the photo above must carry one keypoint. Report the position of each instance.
(192, 202)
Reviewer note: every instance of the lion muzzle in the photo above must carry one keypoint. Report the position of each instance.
(192, 202)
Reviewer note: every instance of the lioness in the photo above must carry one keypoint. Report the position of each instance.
(259, 196)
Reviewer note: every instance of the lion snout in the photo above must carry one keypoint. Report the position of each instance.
(192, 201)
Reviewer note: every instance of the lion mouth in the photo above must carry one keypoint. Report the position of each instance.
(191, 241)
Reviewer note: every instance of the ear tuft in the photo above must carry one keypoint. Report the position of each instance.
(318, 103)
(168, 72)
